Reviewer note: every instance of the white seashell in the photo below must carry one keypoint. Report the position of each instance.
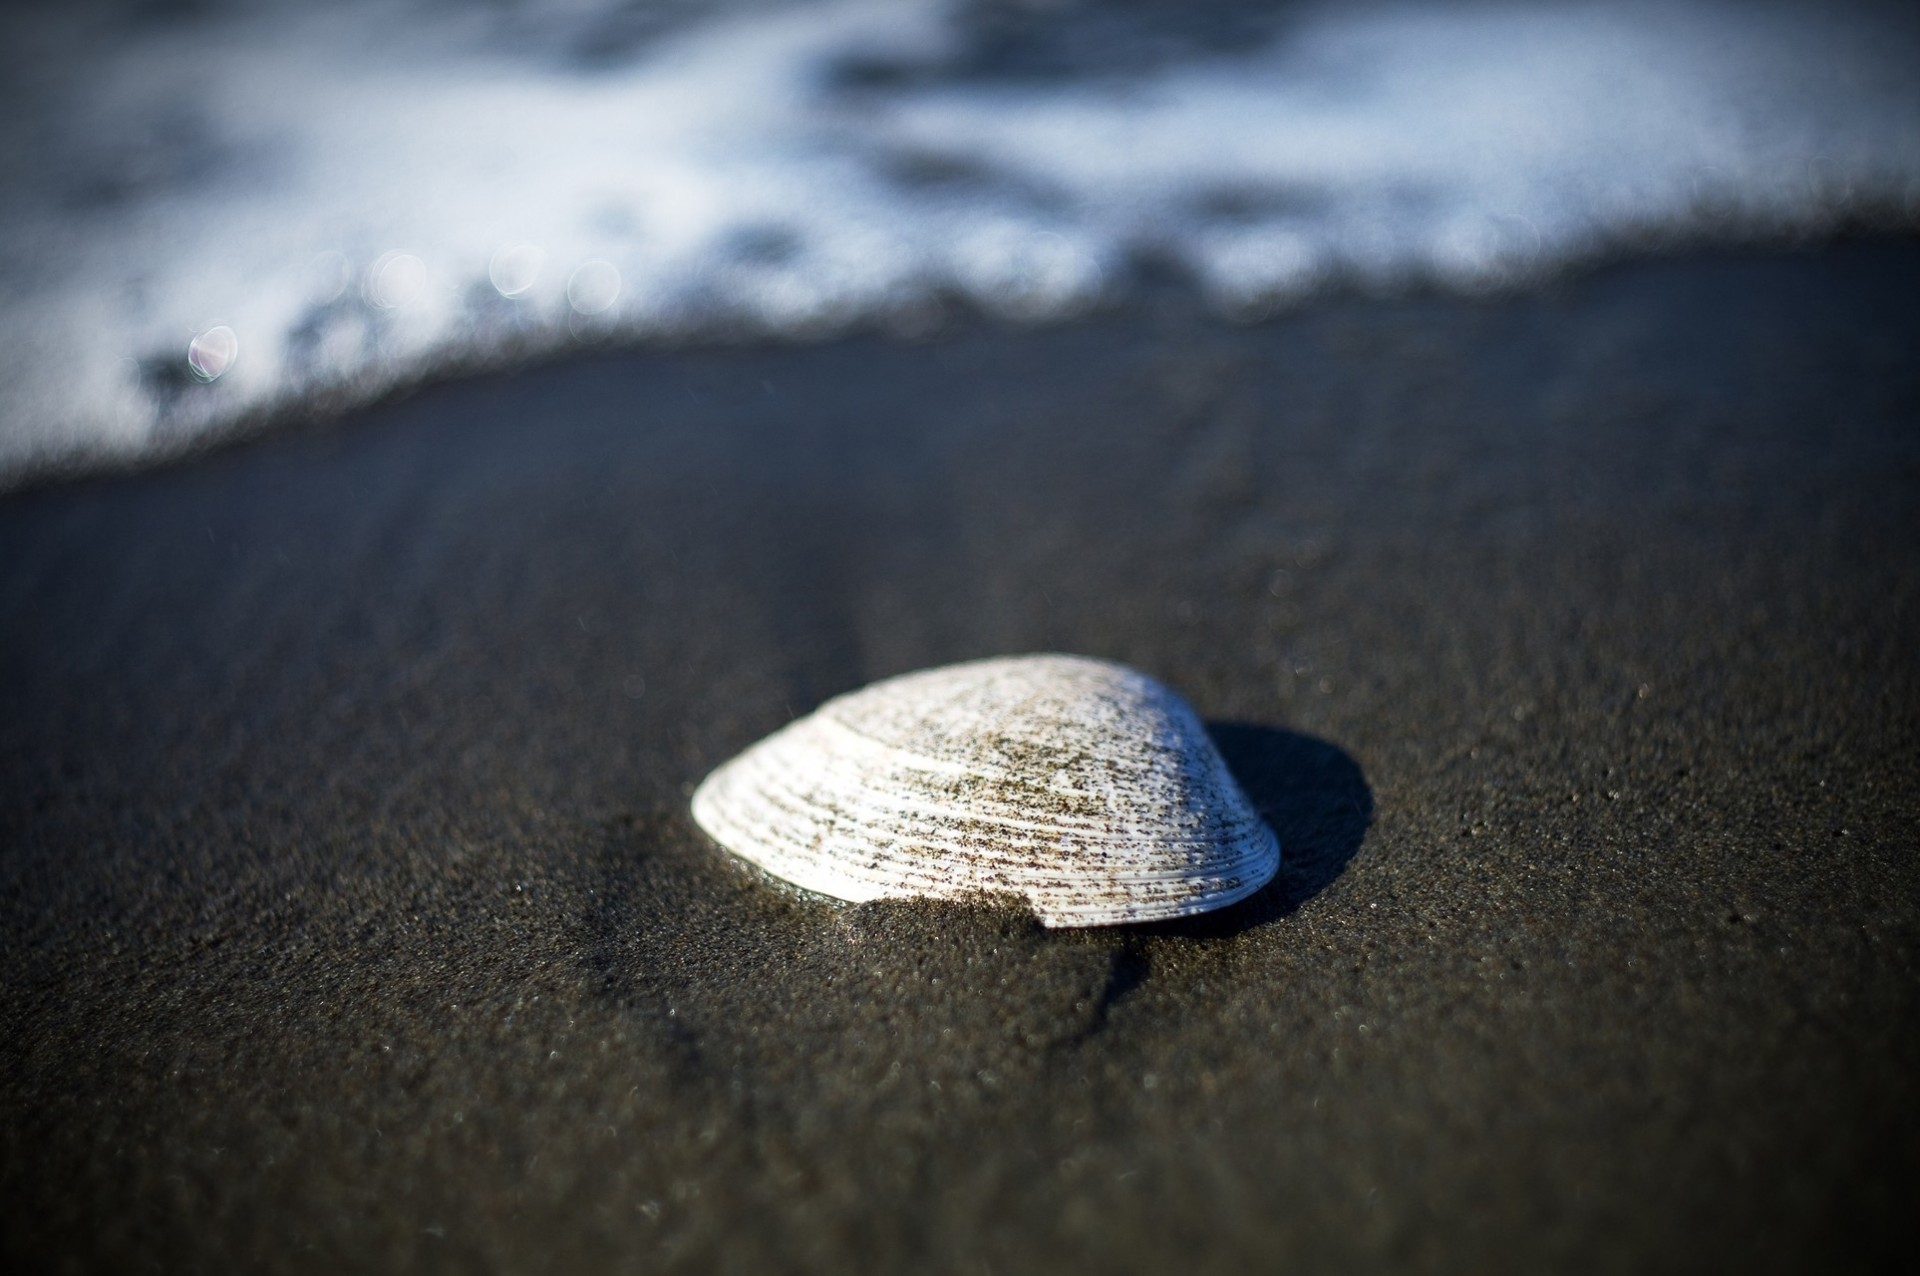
(1086, 787)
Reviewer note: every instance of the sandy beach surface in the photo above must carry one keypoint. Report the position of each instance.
(353, 919)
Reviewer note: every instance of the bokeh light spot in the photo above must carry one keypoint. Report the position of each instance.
(594, 287)
(516, 268)
(395, 280)
(210, 354)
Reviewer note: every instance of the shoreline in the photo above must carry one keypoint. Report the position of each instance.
(1159, 295)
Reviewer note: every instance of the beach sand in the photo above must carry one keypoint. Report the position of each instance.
(354, 920)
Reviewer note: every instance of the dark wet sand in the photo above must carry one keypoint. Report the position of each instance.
(353, 919)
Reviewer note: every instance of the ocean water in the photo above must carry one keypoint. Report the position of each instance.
(215, 212)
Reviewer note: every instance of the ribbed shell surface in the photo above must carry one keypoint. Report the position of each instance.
(1086, 787)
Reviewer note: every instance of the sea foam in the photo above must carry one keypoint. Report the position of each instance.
(213, 218)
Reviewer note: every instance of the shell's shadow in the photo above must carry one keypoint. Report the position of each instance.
(1314, 797)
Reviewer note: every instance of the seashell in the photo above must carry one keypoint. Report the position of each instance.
(1084, 786)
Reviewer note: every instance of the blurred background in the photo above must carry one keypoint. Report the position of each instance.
(220, 210)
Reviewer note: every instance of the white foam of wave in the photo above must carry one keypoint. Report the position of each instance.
(210, 219)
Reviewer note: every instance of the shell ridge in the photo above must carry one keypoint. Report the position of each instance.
(1114, 819)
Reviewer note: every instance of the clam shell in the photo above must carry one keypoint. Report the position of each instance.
(1084, 786)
